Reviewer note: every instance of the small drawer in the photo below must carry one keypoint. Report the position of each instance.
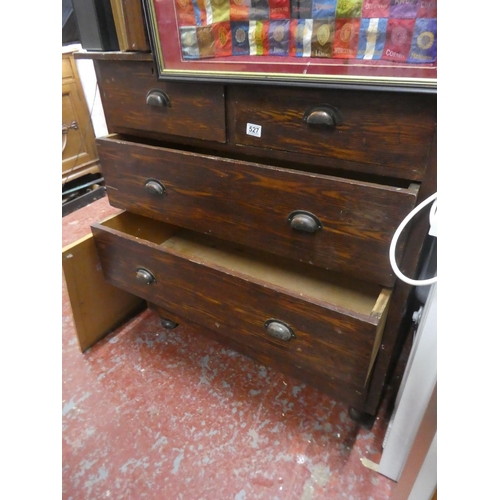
(391, 131)
(331, 222)
(135, 101)
(310, 318)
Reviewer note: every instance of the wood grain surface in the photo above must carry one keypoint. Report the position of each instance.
(360, 178)
(97, 306)
(196, 110)
(250, 203)
(331, 341)
(387, 130)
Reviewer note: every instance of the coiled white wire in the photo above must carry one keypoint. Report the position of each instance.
(397, 234)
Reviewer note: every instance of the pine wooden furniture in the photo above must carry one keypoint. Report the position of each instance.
(276, 244)
(79, 151)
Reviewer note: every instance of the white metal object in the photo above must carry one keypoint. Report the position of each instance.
(417, 386)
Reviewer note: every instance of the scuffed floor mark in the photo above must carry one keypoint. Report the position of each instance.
(177, 462)
(136, 463)
(101, 475)
(68, 406)
(204, 363)
(160, 443)
(285, 457)
(320, 476)
(241, 495)
(255, 438)
(85, 465)
(71, 404)
(263, 424)
(90, 431)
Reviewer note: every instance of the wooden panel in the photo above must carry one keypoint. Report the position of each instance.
(97, 306)
(196, 110)
(79, 151)
(130, 26)
(223, 288)
(280, 363)
(114, 56)
(379, 128)
(250, 203)
(67, 70)
(75, 147)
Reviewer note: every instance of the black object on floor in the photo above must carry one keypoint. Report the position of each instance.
(83, 200)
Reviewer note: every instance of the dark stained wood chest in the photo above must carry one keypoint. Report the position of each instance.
(278, 243)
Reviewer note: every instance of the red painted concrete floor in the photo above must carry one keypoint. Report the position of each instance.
(171, 415)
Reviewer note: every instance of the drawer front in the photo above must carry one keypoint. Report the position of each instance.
(390, 131)
(325, 341)
(269, 208)
(181, 109)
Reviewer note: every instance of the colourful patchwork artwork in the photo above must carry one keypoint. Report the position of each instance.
(393, 30)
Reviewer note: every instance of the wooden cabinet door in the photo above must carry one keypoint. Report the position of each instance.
(79, 151)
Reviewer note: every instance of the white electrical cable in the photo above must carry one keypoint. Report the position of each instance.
(397, 234)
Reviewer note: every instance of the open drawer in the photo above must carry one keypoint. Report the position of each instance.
(340, 224)
(313, 319)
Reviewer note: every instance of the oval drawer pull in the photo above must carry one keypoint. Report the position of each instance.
(154, 187)
(326, 116)
(157, 98)
(144, 276)
(279, 330)
(300, 220)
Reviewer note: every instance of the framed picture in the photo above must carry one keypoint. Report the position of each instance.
(297, 42)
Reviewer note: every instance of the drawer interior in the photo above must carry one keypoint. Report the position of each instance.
(326, 288)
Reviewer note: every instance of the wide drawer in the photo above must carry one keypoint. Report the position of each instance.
(270, 208)
(316, 320)
(181, 109)
(391, 131)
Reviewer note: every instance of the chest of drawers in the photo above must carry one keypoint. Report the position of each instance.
(276, 242)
